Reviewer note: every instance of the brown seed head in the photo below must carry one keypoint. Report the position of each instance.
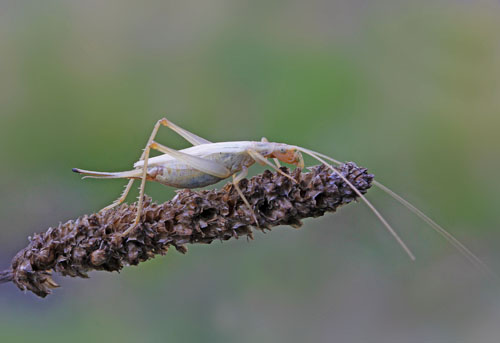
(94, 242)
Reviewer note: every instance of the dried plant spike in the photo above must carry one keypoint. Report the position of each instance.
(95, 241)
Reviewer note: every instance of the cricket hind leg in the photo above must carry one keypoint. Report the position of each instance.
(140, 202)
(128, 187)
(122, 197)
(204, 165)
(189, 136)
(210, 167)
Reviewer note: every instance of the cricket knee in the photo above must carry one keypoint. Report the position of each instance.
(153, 145)
(164, 121)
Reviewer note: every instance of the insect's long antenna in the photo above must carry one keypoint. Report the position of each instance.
(476, 261)
(368, 203)
(439, 229)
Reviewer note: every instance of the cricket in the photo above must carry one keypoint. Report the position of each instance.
(206, 163)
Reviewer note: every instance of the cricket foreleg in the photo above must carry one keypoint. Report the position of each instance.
(263, 161)
(236, 179)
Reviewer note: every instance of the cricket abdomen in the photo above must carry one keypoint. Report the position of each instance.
(178, 174)
(181, 177)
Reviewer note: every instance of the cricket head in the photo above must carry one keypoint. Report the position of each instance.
(288, 154)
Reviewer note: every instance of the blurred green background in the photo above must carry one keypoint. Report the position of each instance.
(408, 89)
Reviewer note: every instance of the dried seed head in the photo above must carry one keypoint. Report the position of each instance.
(94, 242)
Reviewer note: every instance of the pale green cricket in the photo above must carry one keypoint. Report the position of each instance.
(206, 163)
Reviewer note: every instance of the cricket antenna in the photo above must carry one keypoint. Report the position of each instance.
(476, 261)
(368, 203)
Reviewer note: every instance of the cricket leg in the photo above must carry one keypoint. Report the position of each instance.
(123, 196)
(276, 161)
(263, 161)
(236, 179)
(189, 136)
(204, 165)
(141, 191)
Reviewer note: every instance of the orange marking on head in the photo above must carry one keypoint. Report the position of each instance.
(288, 155)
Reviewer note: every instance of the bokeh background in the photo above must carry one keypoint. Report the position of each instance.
(408, 89)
